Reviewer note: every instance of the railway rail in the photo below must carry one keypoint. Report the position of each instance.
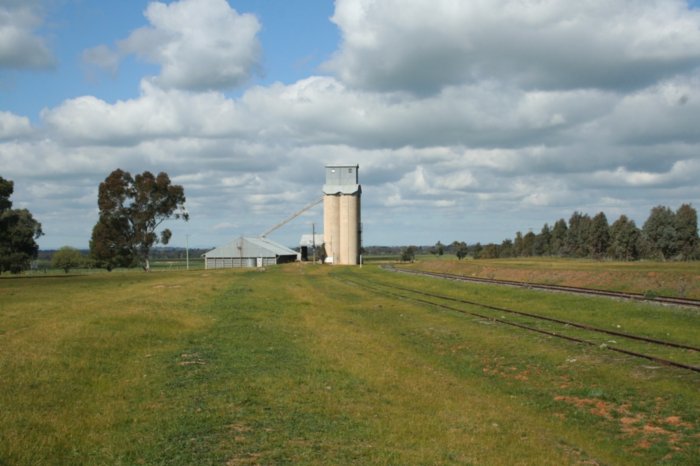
(426, 298)
(668, 300)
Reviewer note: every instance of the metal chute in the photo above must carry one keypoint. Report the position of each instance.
(293, 216)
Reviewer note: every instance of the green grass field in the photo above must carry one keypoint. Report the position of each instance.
(300, 365)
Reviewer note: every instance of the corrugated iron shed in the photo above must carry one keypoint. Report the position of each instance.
(249, 252)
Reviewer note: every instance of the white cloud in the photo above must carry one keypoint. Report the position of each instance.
(461, 180)
(157, 113)
(13, 126)
(20, 46)
(199, 44)
(322, 110)
(423, 46)
(469, 120)
(476, 145)
(681, 173)
(663, 113)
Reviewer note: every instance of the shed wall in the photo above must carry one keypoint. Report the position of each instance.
(237, 262)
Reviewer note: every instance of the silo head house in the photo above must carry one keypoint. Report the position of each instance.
(342, 229)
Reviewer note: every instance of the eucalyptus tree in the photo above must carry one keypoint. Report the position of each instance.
(578, 234)
(131, 211)
(67, 258)
(660, 232)
(624, 240)
(18, 233)
(408, 254)
(599, 236)
(529, 241)
(438, 249)
(687, 231)
(557, 242)
(460, 249)
(543, 242)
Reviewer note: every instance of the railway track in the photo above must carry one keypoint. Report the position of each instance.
(694, 303)
(553, 327)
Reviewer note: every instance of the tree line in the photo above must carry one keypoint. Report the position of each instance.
(132, 208)
(68, 258)
(665, 235)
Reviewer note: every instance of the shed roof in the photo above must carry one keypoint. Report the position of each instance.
(246, 246)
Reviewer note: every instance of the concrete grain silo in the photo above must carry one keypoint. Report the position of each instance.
(342, 229)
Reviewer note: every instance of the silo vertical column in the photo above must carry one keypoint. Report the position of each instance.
(349, 229)
(341, 214)
(331, 225)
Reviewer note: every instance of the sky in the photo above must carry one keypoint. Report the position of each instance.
(469, 120)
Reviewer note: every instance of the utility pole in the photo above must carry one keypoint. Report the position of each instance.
(187, 250)
(313, 239)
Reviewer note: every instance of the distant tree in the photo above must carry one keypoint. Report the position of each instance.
(528, 248)
(543, 241)
(489, 251)
(577, 236)
(460, 248)
(557, 242)
(660, 232)
(599, 236)
(506, 249)
(476, 250)
(665, 235)
(110, 245)
(624, 240)
(131, 210)
(67, 258)
(518, 244)
(408, 254)
(438, 249)
(687, 231)
(18, 233)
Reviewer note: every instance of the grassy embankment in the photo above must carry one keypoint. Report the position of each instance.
(295, 365)
(679, 279)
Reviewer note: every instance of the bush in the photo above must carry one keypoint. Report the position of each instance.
(67, 258)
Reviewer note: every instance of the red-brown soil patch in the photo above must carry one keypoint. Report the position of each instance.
(647, 429)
